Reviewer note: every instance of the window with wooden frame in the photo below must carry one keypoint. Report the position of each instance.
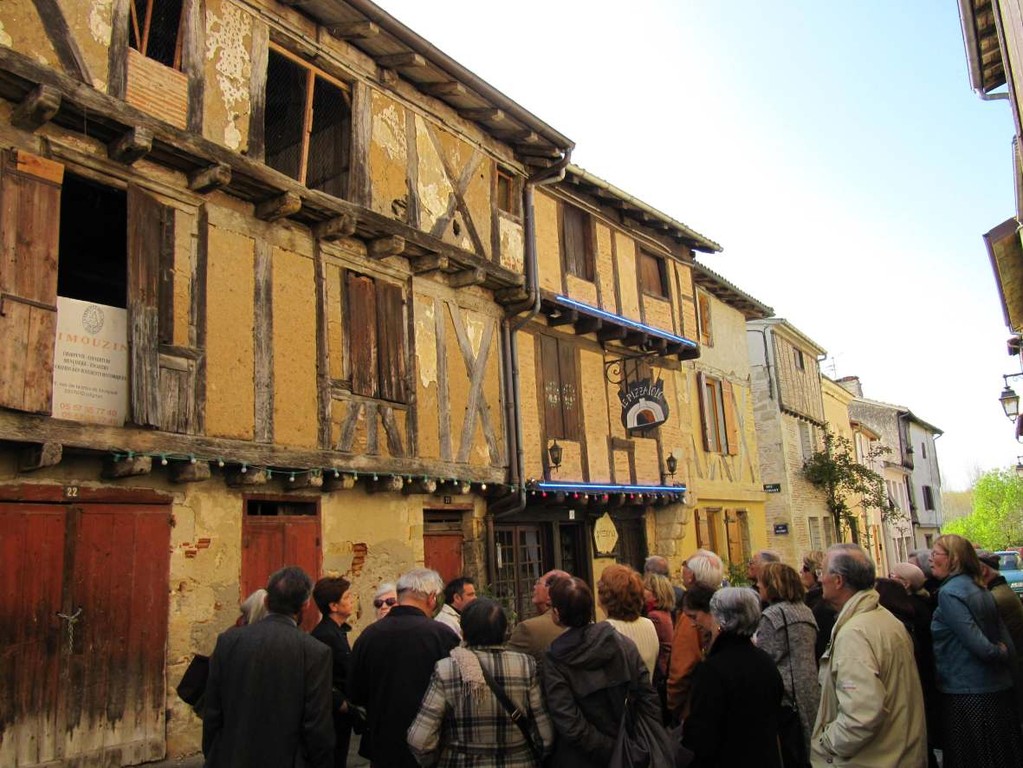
(559, 375)
(653, 275)
(807, 440)
(928, 497)
(800, 362)
(375, 338)
(577, 242)
(307, 124)
(156, 30)
(720, 425)
(706, 529)
(506, 192)
(703, 318)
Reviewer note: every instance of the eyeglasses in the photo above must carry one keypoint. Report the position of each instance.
(378, 603)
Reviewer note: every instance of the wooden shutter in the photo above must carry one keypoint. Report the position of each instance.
(391, 338)
(705, 412)
(362, 334)
(703, 304)
(148, 220)
(651, 274)
(29, 244)
(576, 242)
(551, 387)
(568, 373)
(731, 421)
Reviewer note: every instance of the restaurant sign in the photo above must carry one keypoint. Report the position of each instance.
(643, 404)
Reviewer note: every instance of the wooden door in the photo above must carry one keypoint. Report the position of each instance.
(269, 543)
(443, 553)
(83, 632)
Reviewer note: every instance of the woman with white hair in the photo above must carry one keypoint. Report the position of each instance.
(705, 569)
(385, 598)
(737, 691)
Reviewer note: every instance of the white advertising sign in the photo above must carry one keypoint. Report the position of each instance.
(90, 363)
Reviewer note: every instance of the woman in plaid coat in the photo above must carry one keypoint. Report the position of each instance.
(461, 722)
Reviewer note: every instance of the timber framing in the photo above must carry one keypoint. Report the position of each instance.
(86, 111)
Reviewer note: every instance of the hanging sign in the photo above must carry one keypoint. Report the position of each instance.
(643, 404)
(605, 535)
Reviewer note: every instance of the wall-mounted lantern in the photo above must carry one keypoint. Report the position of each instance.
(554, 452)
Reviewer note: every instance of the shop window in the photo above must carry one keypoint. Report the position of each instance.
(703, 319)
(653, 275)
(560, 391)
(507, 192)
(375, 339)
(577, 242)
(307, 123)
(156, 30)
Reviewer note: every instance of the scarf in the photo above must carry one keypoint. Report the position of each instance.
(469, 669)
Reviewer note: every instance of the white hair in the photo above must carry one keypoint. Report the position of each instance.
(421, 582)
(383, 589)
(707, 568)
(737, 610)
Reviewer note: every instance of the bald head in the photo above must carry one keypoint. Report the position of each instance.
(847, 570)
(657, 565)
(541, 590)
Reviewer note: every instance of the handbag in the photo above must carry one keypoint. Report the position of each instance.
(520, 718)
(644, 743)
(192, 687)
(790, 727)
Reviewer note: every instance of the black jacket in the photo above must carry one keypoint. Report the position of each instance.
(392, 662)
(586, 673)
(734, 707)
(268, 698)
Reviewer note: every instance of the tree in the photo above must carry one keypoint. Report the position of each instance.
(835, 471)
(996, 521)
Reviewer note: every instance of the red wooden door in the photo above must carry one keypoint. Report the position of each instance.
(443, 553)
(86, 594)
(270, 543)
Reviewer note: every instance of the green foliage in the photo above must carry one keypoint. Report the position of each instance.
(835, 471)
(737, 574)
(997, 518)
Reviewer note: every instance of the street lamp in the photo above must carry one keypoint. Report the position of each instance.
(671, 464)
(554, 451)
(1009, 399)
(1019, 466)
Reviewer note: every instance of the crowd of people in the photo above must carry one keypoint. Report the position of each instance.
(826, 666)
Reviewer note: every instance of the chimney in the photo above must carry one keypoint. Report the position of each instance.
(851, 384)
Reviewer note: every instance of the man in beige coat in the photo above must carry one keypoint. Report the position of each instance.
(871, 713)
(534, 636)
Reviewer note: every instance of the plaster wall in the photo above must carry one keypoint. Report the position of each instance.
(605, 267)
(625, 248)
(21, 30)
(548, 254)
(294, 350)
(388, 155)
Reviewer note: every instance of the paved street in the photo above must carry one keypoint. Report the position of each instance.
(195, 761)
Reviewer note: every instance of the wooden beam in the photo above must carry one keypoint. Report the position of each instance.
(441, 90)
(37, 108)
(242, 476)
(131, 146)
(588, 324)
(512, 295)
(382, 247)
(612, 333)
(405, 60)
(425, 264)
(466, 277)
(355, 30)
(386, 484)
(336, 228)
(345, 481)
(39, 456)
(279, 207)
(63, 39)
(566, 317)
(114, 469)
(486, 115)
(303, 481)
(208, 179)
(427, 485)
(190, 472)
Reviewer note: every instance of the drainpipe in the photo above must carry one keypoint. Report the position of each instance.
(516, 501)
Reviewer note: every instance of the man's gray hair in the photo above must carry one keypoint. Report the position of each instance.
(707, 568)
(656, 564)
(421, 582)
(737, 610)
(850, 561)
(767, 556)
(921, 558)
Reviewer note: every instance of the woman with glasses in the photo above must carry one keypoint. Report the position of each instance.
(823, 614)
(385, 598)
(972, 660)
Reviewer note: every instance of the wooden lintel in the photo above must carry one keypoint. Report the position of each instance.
(336, 228)
(37, 108)
(487, 115)
(566, 317)
(612, 333)
(210, 178)
(588, 324)
(278, 207)
(301, 481)
(450, 88)
(344, 481)
(39, 456)
(131, 146)
(190, 472)
(132, 466)
(476, 276)
(382, 247)
(356, 30)
(431, 263)
(388, 484)
(240, 477)
(429, 485)
(405, 60)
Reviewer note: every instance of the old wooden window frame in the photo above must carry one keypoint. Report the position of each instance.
(703, 318)
(800, 361)
(653, 274)
(719, 421)
(559, 390)
(380, 373)
(575, 229)
(312, 74)
(141, 29)
(507, 192)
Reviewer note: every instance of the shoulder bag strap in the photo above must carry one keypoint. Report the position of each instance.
(517, 715)
(788, 643)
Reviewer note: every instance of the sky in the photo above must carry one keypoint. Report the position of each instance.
(835, 150)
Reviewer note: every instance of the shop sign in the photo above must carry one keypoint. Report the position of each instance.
(643, 404)
(605, 535)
